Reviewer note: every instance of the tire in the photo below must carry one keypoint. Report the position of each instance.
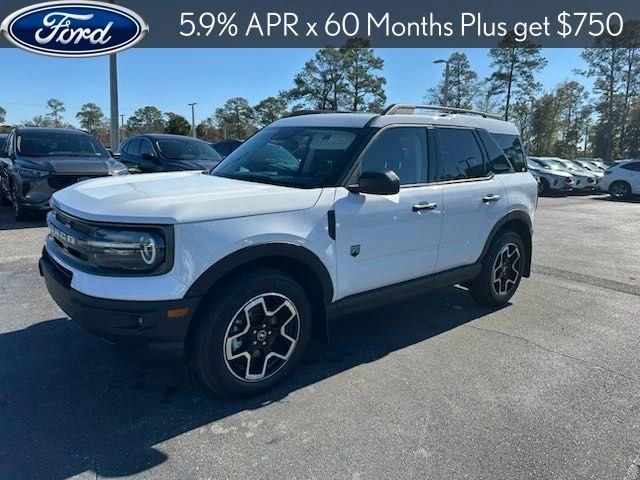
(543, 187)
(20, 212)
(497, 290)
(227, 351)
(4, 196)
(620, 190)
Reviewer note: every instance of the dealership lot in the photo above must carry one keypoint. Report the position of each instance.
(547, 387)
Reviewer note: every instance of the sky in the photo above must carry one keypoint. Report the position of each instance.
(172, 78)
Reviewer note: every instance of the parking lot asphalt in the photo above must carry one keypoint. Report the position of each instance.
(547, 387)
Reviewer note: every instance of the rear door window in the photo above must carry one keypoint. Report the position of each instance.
(460, 155)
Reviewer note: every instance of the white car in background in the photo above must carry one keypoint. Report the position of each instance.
(622, 179)
(582, 179)
(552, 181)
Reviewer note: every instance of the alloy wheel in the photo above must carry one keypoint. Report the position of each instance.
(506, 269)
(261, 337)
(619, 190)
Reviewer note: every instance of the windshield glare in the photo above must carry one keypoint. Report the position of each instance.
(184, 149)
(59, 144)
(293, 156)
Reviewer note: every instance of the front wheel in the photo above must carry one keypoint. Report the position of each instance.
(501, 271)
(251, 334)
(20, 212)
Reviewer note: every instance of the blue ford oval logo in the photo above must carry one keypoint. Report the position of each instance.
(74, 29)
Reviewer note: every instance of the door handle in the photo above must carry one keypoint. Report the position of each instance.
(424, 206)
(492, 197)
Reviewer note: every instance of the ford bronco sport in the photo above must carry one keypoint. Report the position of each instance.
(315, 215)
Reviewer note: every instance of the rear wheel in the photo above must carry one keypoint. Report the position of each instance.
(251, 334)
(620, 189)
(501, 271)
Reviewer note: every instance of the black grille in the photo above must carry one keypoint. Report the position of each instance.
(61, 181)
(66, 274)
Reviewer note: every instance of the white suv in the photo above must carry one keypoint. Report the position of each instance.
(622, 179)
(314, 216)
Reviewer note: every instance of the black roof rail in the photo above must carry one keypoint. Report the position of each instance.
(297, 113)
(409, 109)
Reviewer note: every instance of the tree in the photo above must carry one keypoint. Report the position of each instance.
(146, 120)
(57, 108)
(3, 115)
(321, 83)
(236, 118)
(39, 121)
(515, 64)
(91, 118)
(463, 86)
(362, 89)
(606, 65)
(208, 130)
(269, 110)
(177, 124)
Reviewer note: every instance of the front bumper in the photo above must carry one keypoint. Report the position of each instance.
(142, 322)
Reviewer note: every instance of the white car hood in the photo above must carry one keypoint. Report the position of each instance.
(177, 197)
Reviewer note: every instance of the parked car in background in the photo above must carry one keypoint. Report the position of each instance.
(596, 162)
(3, 140)
(166, 153)
(35, 162)
(225, 147)
(552, 180)
(622, 179)
(590, 166)
(582, 180)
(585, 180)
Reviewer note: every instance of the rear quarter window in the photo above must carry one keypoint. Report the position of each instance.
(512, 146)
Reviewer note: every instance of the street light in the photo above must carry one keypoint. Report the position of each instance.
(445, 99)
(113, 94)
(193, 119)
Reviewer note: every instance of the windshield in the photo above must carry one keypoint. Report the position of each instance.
(59, 144)
(304, 157)
(185, 149)
(576, 166)
(553, 164)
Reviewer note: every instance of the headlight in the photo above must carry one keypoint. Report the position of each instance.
(119, 171)
(131, 250)
(31, 172)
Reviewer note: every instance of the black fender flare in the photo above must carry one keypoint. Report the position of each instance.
(523, 218)
(253, 253)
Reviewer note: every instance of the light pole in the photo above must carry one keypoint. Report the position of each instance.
(445, 99)
(193, 119)
(113, 88)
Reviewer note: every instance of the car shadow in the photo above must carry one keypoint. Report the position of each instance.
(8, 221)
(70, 403)
(608, 198)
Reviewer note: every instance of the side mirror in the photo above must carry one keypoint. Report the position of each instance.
(149, 156)
(385, 182)
(501, 168)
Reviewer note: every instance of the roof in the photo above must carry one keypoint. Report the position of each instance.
(165, 136)
(346, 120)
(50, 130)
(359, 120)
